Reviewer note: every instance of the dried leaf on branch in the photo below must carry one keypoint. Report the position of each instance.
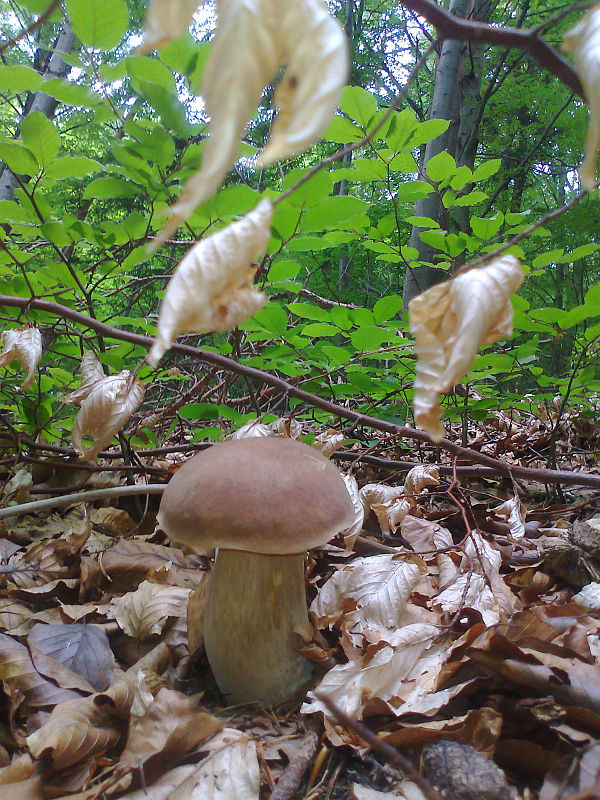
(167, 20)
(450, 322)
(25, 346)
(211, 289)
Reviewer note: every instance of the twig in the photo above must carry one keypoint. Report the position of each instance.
(81, 497)
(291, 778)
(449, 26)
(375, 743)
(31, 28)
(288, 389)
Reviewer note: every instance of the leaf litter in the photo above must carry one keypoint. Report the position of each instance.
(479, 625)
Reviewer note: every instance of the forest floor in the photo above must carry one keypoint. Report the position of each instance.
(455, 634)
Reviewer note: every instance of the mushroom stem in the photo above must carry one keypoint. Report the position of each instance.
(254, 601)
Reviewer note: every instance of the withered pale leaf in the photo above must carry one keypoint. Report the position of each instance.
(167, 20)
(241, 63)
(329, 441)
(91, 374)
(450, 322)
(144, 613)
(350, 534)
(420, 478)
(286, 427)
(378, 588)
(514, 512)
(313, 45)
(25, 346)
(589, 596)
(211, 289)
(230, 772)
(163, 787)
(583, 40)
(84, 649)
(412, 651)
(172, 726)
(105, 411)
(254, 429)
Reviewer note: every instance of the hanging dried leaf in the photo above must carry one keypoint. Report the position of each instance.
(241, 63)
(105, 410)
(212, 289)
(450, 322)
(25, 346)
(167, 20)
(420, 477)
(91, 374)
(252, 39)
(313, 45)
(583, 41)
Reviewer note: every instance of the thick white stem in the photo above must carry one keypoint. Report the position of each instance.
(253, 604)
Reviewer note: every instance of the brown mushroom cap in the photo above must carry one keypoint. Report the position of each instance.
(265, 495)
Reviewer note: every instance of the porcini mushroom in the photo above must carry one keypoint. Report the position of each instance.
(262, 502)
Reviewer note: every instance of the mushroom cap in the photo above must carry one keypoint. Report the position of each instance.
(264, 495)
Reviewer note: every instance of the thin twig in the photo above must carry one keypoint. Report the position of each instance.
(31, 28)
(375, 743)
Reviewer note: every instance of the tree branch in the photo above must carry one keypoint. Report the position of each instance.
(228, 364)
(450, 27)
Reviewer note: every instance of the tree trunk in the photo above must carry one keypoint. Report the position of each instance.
(56, 67)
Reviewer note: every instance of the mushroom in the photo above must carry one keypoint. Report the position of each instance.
(262, 502)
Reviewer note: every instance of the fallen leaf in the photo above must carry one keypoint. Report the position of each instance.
(25, 346)
(212, 289)
(450, 322)
(84, 649)
(328, 441)
(514, 512)
(420, 477)
(144, 613)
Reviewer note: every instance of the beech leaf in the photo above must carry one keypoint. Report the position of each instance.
(211, 289)
(583, 40)
(105, 410)
(91, 374)
(167, 20)
(25, 346)
(450, 322)
(144, 613)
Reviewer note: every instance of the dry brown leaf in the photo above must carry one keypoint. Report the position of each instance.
(172, 726)
(16, 489)
(91, 374)
(212, 288)
(25, 346)
(18, 781)
(290, 428)
(450, 322)
(144, 613)
(84, 649)
(76, 730)
(583, 40)
(15, 617)
(105, 410)
(514, 512)
(167, 20)
(163, 787)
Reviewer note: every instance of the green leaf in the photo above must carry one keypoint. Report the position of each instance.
(410, 191)
(272, 318)
(332, 211)
(386, 308)
(427, 131)
(41, 137)
(99, 23)
(486, 227)
(550, 257)
(71, 94)
(342, 131)
(108, 188)
(169, 108)
(18, 158)
(336, 355)
(18, 78)
(316, 329)
(441, 166)
(199, 411)
(487, 169)
(369, 337)
(73, 167)
(359, 104)
(283, 271)
(13, 212)
(422, 222)
(310, 311)
(470, 199)
(311, 192)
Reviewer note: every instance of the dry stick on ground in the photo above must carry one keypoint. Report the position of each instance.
(375, 743)
(228, 364)
(291, 778)
(80, 497)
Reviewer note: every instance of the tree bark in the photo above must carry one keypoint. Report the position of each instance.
(56, 67)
